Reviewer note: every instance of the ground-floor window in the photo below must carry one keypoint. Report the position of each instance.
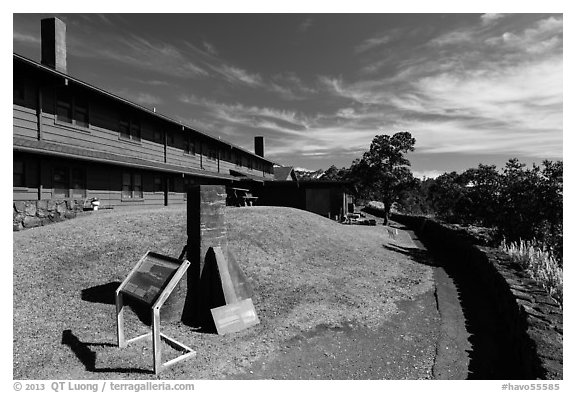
(78, 183)
(19, 179)
(69, 182)
(132, 185)
(158, 184)
(61, 182)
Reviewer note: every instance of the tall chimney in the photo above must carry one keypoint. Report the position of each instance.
(259, 146)
(53, 34)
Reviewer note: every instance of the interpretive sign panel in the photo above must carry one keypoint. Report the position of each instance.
(152, 281)
(150, 276)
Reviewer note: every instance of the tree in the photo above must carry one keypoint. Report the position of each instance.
(383, 173)
(333, 173)
(444, 195)
(521, 203)
(483, 189)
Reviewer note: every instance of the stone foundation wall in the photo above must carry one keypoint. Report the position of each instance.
(530, 321)
(30, 214)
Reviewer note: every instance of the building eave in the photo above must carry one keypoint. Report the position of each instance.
(152, 113)
(56, 150)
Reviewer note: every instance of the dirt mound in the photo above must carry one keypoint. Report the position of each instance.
(306, 271)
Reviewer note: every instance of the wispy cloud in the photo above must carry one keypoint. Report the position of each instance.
(453, 37)
(238, 75)
(140, 97)
(282, 121)
(373, 42)
(209, 48)
(490, 18)
(544, 37)
(26, 38)
(140, 53)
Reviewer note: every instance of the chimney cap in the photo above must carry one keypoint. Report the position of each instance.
(53, 43)
(259, 146)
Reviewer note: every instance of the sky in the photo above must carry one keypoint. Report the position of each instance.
(471, 88)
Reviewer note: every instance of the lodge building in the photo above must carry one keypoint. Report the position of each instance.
(74, 141)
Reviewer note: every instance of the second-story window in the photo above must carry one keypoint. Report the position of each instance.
(19, 91)
(238, 160)
(64, 107)
(158, 136)
(189, 145)
(72, 110)
(129, 128)
(81, 112)
(227, 155)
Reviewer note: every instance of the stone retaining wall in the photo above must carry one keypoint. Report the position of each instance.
(530, 321)
(30, 214)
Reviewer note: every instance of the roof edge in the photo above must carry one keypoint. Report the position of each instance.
(135, 105)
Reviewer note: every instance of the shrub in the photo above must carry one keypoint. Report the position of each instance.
(540, 264)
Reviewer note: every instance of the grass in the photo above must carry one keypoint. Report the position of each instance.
(541, 266)
(307, 273)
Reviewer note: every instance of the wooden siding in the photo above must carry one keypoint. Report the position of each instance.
(25, 122)
(103, 135)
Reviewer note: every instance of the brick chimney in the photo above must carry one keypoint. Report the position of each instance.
(53, 34)
(259, 146)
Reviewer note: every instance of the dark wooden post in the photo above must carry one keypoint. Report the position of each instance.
(39, 112)
(206, 227)
(206, 222)
(165, 146)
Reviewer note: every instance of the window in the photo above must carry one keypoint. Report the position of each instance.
(61, 182)
(124, 129)
(78, 184)
(158, 136)
(69, 182)
(64, 108)
(129, 128)
(19, 91)
(158, 184)
(19, 180)
(171, 183)
(238, 160)
(189, 145)
(72, 110)
(132, 186)
(212, 154)
(81, 113)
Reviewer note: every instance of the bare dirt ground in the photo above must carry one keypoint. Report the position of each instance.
(337, 289)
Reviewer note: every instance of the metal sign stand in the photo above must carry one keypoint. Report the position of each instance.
(165, 292)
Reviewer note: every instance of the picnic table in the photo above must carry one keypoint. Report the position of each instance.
(240, 197)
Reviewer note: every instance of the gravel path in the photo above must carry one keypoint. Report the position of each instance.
(425, 339)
